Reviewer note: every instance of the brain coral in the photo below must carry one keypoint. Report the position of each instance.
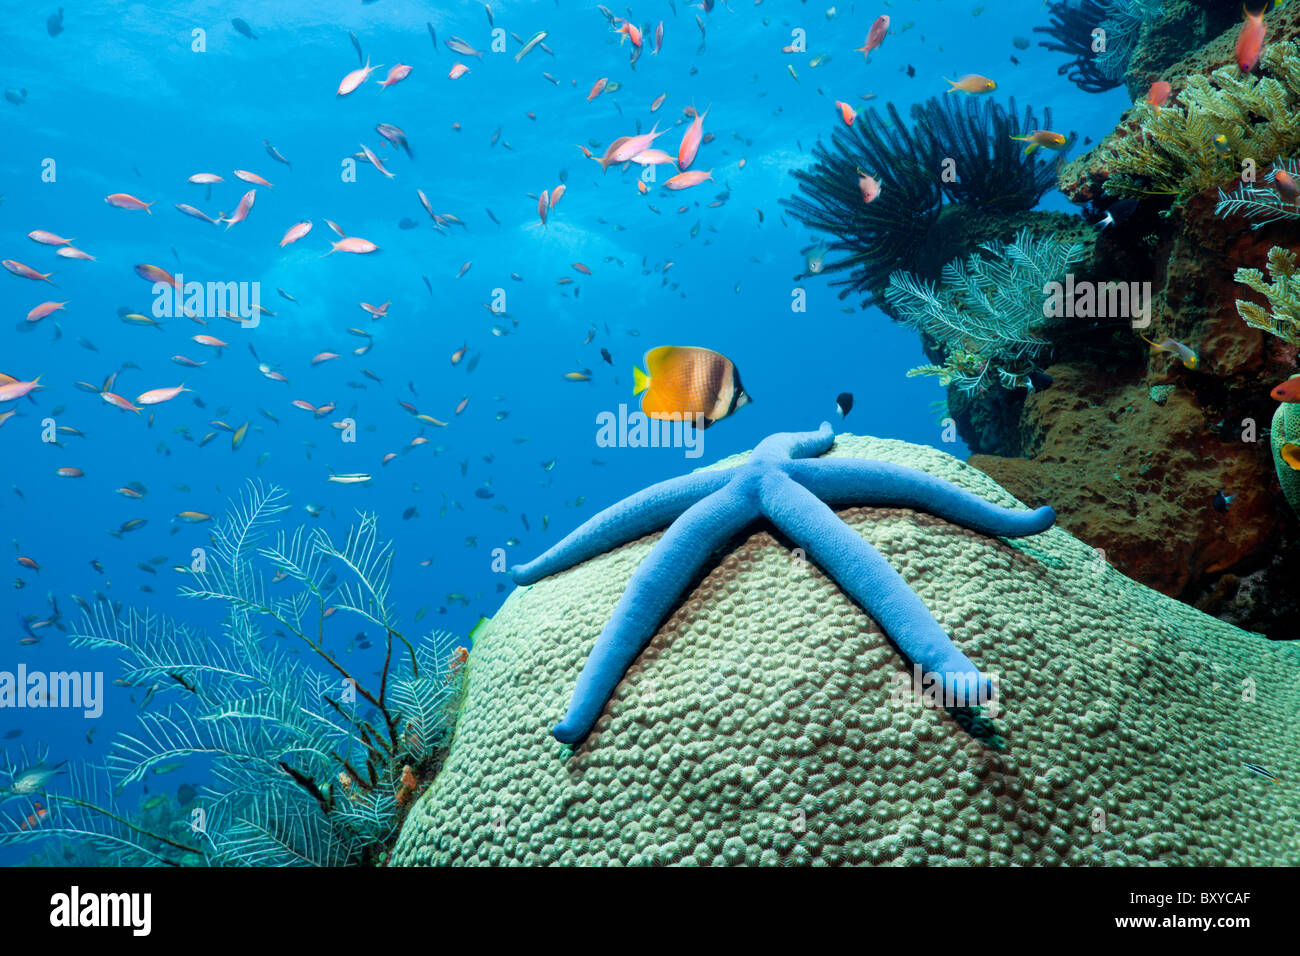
(764, 725)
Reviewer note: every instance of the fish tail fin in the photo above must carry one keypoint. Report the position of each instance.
(640, 381)
(951, 84)
(1030, 149)
(1154, 345)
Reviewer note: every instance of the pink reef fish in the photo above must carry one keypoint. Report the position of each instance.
(625, 147)
(690, 144)
(127, 201)
(398, 73)
(196, 213)
(13, 390)
(156, 396)
(26, 272)
(875, 37)
(242, 210)
(352, 244)
(253, 178)
(206, 179)
(692, 177)
(47, 238)
(68, 252)
(296, 232)
(356, 78)
(44, 309)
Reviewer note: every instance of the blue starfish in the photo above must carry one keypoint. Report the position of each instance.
(782, 483)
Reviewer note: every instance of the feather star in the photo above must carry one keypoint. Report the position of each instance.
(783, 481)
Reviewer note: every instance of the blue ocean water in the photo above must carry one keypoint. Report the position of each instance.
(134, 99)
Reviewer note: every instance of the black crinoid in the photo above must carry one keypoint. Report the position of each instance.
(883, 235)
(952, 180)
(1071, 30)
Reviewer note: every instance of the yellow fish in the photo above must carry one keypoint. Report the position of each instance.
(687, 381)
(1041, 137)
(971, 83)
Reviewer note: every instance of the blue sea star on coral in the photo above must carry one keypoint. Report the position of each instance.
(783, 481)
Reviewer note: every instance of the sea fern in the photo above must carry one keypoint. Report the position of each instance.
(309, 765)
(987, 313)
(1282, 289)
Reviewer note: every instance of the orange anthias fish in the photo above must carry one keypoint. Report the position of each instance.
(597, 88)
(295, 232)
(629, 30)
(398, 73)
(847, 113)
(1177, 349)
(1288, 391)
(681, 382)
(625, 147)
(692, 177)
(691, 139)
(1041, 137)
(352, 244)
(1250, 41)
(1285, 185)
(1159, 94)
(242, 210)
(875, 37)
(971, 83)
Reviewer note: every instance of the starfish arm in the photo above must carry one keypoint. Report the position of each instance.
(870, 580)
(843, 481)
(784, 445)
(634, 516)
(654, 587)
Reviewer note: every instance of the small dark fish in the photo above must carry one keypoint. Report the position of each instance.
(1256, 768)
(275, 153)
(407, 223)
(604, 353)
(844, 403)
(13, 734)
(484, 493)
(1040, 380)
(491, 216)
(356, 45)
(427, 284)
(911, 70)
(186, 794)
(54, 24)
(242, 27)
(1222, 502)
(433, 35)
(410, 513)
(285, 295)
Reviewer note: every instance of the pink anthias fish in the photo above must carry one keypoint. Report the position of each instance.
(206, 179)
(26, 272)
(127, 201)
(12, 391)
(398, 73)
(625, 147)
(353, 244)
(652, 157)
(457, 71)
(156, 396)
(875, 36)
(356, 78)
(296, 232)
(253, 178)
(242, 210)
(692, 177)
(869, 187)
(690, 144)
(47, 238)
(69, 252)
(44, 309)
